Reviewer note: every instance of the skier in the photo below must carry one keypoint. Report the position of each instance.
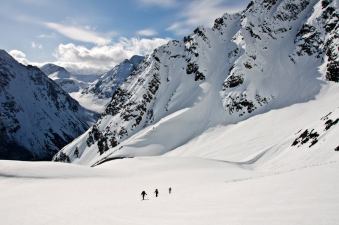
(143, 194)
(169, 190)
(156, 192)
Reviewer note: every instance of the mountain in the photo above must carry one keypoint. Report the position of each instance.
(55, 72)
(106, 85)
(272, 56)
(99, 93)
(37, 116)
(69, 82)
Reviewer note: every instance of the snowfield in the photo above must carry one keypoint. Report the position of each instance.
(204, 192)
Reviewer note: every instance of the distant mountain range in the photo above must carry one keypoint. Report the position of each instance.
(67, 81)
(91, 91)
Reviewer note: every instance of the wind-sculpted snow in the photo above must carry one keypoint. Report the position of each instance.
(37, 117)
(248, 63)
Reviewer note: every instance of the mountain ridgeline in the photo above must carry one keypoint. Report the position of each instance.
(273, 54)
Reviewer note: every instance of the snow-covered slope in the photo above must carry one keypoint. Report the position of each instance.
(300, 135)
(271, 56)
(99, 93)
(37, 117)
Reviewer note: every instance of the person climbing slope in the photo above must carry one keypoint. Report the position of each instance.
(143, 194)
(169, 190)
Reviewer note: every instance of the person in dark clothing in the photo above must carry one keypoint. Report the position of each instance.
(169, 190)
(156, 192)
(143, 194)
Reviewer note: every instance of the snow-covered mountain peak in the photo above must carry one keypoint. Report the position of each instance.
(55, 72)
(122, 70)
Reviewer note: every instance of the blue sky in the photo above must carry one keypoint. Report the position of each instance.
(89, 35)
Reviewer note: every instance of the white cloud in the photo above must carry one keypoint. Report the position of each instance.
(78, 33)
(147, 32)
(202, 12)
(36, 45)
(98, 59)
(19, 56)
(161, 3)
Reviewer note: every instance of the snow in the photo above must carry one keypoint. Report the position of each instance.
(203, 192)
